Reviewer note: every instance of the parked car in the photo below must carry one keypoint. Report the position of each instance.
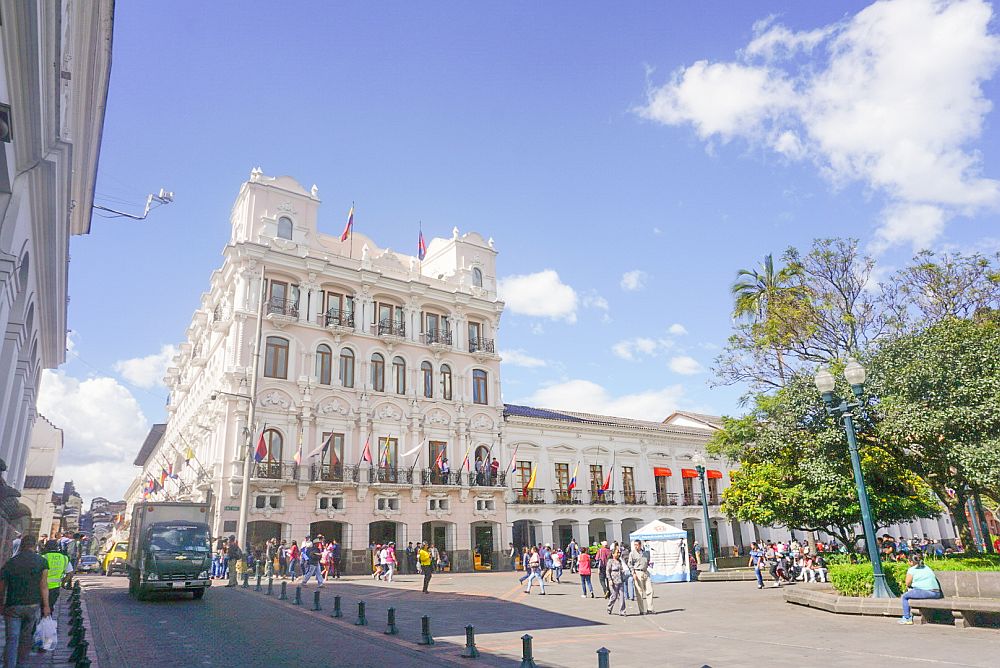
(89, 564)
(114, 559)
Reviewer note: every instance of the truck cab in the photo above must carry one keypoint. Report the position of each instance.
(168, 551)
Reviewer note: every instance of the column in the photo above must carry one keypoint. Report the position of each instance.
(725, 538)
(614, 530)
(545, 533)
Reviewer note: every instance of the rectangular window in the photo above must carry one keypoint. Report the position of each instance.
(475, 334)
(689, 492)
(660, 484)
(339, 309)
(522, 473)
(596, 477)
(562, 477)
(335, 452)
(628, 481)
(276, 357)
(388, 451)
(434, 448)
(713, 491)
(480, 394)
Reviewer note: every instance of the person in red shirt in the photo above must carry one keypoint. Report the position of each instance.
(583, 567)
(601, 559)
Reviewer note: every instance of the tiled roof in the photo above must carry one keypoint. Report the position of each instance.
(152, 439)
(37, 482)
(713, 420)
(594, 419)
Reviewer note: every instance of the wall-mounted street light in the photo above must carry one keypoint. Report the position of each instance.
(842, 408)
(699, 462)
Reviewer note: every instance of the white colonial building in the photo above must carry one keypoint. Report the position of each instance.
(652, 477)
(55, 60)
(359, 344)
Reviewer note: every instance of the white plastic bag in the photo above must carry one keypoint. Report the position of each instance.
(45, 633)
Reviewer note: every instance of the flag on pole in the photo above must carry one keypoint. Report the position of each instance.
(531, 480)
(170, 472)
(440, 458)
(298, 450)
(607, 480)
(188, 454)
(513, 459)
(163, 475)
(572, 481)
(421, 247)
(350, 225)
(465, 464)
(415, 449)
(366, 454)
(261, 451)
(384, 459)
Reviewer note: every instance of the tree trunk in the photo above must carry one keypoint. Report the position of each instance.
(961, 522)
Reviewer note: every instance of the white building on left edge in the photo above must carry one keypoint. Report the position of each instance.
(56, 59)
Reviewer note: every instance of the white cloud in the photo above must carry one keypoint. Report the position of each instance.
(632, 349)
(103, 426)
(891, 97)
(521, 358)
(148, 371)
(677, 329)
(588, 397)
(685, 365)
(634, 280)
(657, 231)
(541, 295)
(596, 301)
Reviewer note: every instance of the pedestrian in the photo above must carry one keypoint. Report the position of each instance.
(335, 559)
(434, 555)
(59, 567)
(24, 592)
(545, 554)
(615, 579)
(314, 552)
(921, 583)
(534, 571)
(294, 559)
(583, 567)
(495, 475)
(512, 556)
(234, 555)
(557, 563)
(442, 560)
(424, 559)
(411, 558)
(573, 554)
(602, 556)
(696, 549)
(757, 563)
(270, 554)
(390, 561)
(639, 564)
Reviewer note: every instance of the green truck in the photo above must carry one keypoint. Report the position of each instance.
(169, 548)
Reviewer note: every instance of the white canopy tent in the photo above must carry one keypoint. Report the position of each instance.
(668, 551)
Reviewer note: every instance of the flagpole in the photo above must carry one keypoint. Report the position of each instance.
(241, 528)
(352, 230)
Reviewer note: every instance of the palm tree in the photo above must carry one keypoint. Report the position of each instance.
(756, 290)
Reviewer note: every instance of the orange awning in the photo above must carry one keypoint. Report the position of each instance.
(712, 473)
(689, 473)
(661, 472)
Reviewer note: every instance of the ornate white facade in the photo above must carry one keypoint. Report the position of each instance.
(360, 342)
(56, 59)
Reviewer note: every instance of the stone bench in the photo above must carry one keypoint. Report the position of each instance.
(968, 593)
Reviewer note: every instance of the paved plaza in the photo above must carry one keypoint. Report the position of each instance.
(697, 624)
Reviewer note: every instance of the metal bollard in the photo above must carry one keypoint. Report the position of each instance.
(316, 606)
(298, 595)
(83, 663)
(246, 580)
(257, 586)
(75, 636)
(425, 631)
(362, 620)
(390, 629)
(470, 643)
(603, 658)
(76, 586)
(283, 596)
(527, 661)
(79, 651)
(336, 608)
(270, 586)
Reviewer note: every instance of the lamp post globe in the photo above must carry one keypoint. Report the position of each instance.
(824, 381)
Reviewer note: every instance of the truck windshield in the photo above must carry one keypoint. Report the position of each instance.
(179, 539)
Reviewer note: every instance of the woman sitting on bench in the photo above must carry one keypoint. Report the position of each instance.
(920, 583)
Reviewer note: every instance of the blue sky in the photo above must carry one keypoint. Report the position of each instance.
(643, 155)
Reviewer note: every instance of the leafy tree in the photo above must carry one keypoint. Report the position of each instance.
(795, 468)
(939, 407)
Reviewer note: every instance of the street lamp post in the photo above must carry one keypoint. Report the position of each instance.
(842, 408)
(699, 466)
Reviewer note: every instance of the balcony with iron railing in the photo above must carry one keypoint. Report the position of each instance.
(531, 497)
(387, 327)
(665, 499)
(328, 473)
(338, 318)
(283, 307)
(602, 498)
(391, 475)
(487, 479)
(439, 337)
(634, 498)
(436, 477)
(274, 471)
(481, 345)
(568, 497)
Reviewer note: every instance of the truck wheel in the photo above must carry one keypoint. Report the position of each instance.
(199, 594)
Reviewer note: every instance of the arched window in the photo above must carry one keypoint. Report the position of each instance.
(347, 367)
(285, 228)
(399, 374)
(324, 364)
(427, 372)
(477, 277)
(446, 382)
(274, 442)
(276, 357)
(480, 394)
(378, 372)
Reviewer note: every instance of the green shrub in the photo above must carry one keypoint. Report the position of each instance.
(857, 579)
